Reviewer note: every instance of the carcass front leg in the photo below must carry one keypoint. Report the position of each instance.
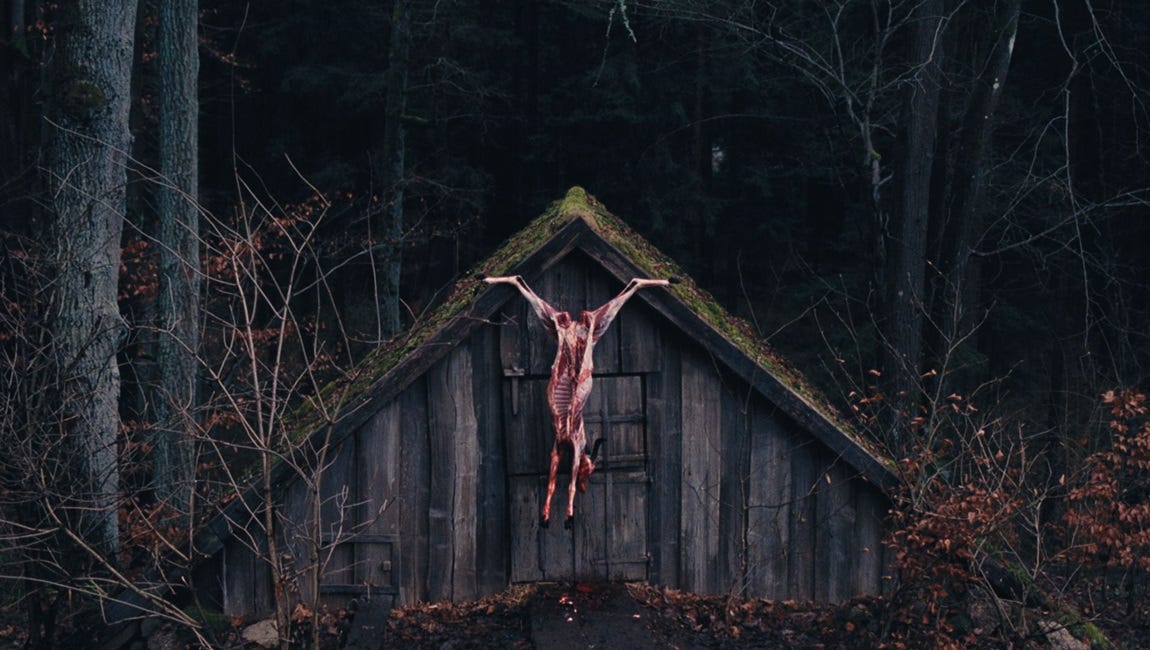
(545, 520)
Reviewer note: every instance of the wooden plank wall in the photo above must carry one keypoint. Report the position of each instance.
(763, 508)
(246, 578)
(769, 504)
(665, 441)
(491, 527)
(454, 449)
(701, 402)
(733, 497)
(415, 492)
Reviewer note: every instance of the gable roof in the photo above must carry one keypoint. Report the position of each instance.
(579, 221)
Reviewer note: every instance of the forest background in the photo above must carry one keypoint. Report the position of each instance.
(937, 209)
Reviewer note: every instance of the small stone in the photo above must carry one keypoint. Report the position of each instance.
(1060, 638)
(263, 634)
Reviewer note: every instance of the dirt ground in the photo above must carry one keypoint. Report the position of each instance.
(616, 615)
(588, 615)
(632, 615)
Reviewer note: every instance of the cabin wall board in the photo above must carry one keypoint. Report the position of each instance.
(491, 526)
(769, 502)
(733, 487)
(870, 509)
(835, 543)
(378, 466)
(525, 496)
(246, 578)
(700, 475)
(414, 496)
(804, 488)
(640, 337)
(589, 534)
(339, 513)
(626, 530)
(665, 438)
(294, 521)
(453, 448)
(379, 444)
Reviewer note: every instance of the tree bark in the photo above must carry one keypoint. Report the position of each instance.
(178, 304)
(904, 322)
(86, 156)
(387, 224)
(963, 270)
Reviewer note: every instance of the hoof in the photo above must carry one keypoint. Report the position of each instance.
(569, 522)
(544, 522)
(594, 455)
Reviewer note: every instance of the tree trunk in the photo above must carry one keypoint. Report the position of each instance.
(963, 270)
(86, 151)
(178, 304)
(387, 225)
(18, 119)
(908, 250)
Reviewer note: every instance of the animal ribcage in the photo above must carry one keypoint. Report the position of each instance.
(562, 394)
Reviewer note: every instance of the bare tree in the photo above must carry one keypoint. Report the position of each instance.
(51, 557)
(267, 357)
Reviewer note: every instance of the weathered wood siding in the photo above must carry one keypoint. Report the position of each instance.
(763, 507)
(703, 484)
(700, 475)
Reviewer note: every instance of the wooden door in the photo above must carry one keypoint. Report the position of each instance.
(609, 539)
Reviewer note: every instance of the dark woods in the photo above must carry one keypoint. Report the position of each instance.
(936, 209)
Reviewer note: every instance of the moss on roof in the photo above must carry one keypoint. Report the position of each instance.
(735, 329)
(577, 204)
(308, 417)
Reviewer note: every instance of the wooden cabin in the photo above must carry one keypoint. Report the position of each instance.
(719, 471)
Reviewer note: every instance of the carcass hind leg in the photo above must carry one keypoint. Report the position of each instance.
(545, 520)
(576, 459)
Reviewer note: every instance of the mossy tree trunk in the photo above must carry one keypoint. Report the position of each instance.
(86, 158)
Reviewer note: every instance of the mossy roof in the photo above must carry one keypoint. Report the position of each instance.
(387, 370)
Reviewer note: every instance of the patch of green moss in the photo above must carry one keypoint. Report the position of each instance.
(736, 330)
(309, 417)
(1067, 616)
(1079, 626)
(213, 623)
(83, 96)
